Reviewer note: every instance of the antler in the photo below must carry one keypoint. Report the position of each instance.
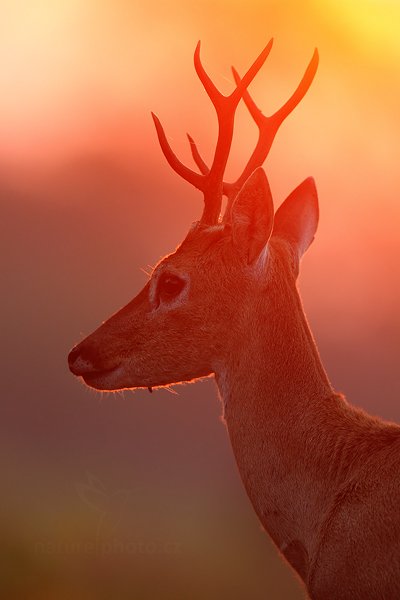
(210, 181)
(267, 126)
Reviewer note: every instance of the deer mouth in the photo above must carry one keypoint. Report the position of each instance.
(106, 380)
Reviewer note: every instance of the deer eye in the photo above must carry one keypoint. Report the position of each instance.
(169, 286)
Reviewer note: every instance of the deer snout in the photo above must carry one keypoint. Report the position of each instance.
(98, 371)
(82, 360)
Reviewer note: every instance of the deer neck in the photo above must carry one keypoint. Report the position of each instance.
(272, 386)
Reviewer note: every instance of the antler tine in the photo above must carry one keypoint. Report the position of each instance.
(213, 92)
(268, 126)
(191, 176)
(300, 91)
(252, 72)
(196, 156)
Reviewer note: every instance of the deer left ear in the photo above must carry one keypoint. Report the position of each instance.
(296, 220)
(252, 216)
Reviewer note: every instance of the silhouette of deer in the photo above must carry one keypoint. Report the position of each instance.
(322, 475)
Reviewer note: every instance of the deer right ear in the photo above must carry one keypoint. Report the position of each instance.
(296, 220)
(252, 216)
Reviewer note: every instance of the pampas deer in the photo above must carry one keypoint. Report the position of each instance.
(322, 476)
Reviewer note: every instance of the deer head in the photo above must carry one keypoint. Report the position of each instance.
(188, 318)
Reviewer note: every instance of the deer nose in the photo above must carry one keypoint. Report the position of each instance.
(73, 355)
(81, 360)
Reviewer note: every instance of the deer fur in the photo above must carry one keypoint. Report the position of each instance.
(321, 475)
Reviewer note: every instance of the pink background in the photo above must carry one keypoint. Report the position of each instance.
(87, 200)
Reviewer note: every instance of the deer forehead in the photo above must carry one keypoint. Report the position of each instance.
(201, 247)
(207, 259)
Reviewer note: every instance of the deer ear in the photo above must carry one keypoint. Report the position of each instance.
(297, 218)
(252, 216)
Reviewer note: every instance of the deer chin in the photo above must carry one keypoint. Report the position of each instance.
(107, 380)
(117, 378)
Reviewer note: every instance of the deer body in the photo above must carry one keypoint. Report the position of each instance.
(321, 475)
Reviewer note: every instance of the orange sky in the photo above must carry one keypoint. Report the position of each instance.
(82, 77)
(87, 200)
(70, 69)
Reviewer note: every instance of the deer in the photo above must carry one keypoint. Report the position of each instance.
(321, 474)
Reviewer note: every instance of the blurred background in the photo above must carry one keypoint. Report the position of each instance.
(135, 495)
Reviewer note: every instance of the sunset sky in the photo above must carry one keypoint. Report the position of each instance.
(80, 78)
(88, 201)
